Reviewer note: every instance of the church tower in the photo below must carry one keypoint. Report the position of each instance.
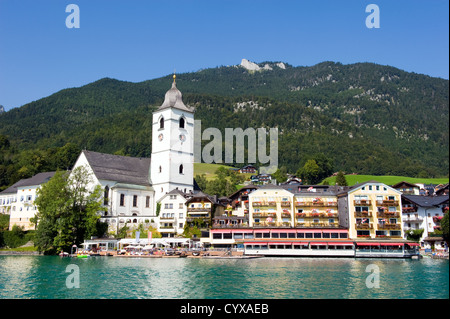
(172, 161)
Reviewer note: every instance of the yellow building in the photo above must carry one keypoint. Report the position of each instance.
(271, 206)
(374, 211)
(294, 206)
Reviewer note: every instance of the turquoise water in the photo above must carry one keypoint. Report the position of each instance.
(45, 277)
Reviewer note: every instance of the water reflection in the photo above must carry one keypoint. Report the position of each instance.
(274, 278)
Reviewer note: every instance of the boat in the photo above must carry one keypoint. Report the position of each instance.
(231, 257)
(82, 256)
(63, 254)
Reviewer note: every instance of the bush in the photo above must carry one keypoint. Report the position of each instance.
(16, 237)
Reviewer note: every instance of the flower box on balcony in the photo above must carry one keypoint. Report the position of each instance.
(301, 214)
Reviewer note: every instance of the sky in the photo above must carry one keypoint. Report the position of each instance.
(140, 40)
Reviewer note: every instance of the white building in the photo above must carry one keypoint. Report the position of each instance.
(21, 206)
(127, 192)
(172, 165)
(133, 186)
(423, 212)
(7, 199)
(172, 214)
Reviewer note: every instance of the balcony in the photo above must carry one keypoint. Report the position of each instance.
(363, 226)
(285, 204)
(199, 209)
(302, 203)
(362, 202)
(389, 202)
(388, 214)
(417, 219)
(409, 209)
(333, 203)
(363, 214)
(388, 226)
(286, 215)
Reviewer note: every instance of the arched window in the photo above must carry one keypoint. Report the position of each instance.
(106, 196)
(181, 169)
(182, 122)
(160, 169)
(161, 122)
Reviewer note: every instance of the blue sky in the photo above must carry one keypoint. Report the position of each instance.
(140, 40)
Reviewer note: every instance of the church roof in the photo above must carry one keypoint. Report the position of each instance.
(173, 99)
(121, 169)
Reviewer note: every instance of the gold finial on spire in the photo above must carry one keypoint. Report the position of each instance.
(174, 76)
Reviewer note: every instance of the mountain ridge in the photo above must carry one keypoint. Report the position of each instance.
(384, 113)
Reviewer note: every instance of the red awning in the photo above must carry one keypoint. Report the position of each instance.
(284, 230)
(220, 231)
(255, 243)
(309, 231)
(341, 244)
(318, 243)
(413, 244)
(246, 231)
(279, 243)
(262, 230)
(335, 231)
(392, 244)
(368, 244)
(300, 243)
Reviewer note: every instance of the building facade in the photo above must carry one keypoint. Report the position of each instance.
(372, 210)
(23, 209)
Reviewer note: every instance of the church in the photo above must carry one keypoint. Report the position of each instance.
(132, 186)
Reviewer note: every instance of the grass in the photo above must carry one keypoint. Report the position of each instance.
(28, 248)
(210, 169)
(388, 180)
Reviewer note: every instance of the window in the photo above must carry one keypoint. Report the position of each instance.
(134, 200)
(181, 169)
(181, 122)
(180, 215)
(122, 200)
(161, 123)
(147, 201)
(106, 195)
(160, 169)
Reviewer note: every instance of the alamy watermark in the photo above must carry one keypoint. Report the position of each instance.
(73, 279)
(258, 150)
(373, 279)
(73, 19)
(373, 19)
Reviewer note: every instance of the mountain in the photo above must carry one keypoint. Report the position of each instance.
(368, 118)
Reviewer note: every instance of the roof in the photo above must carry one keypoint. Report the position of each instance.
(121, 169)
(174, 192)
(173, 99)
(404, 183)
(36, 180)
(426, 201)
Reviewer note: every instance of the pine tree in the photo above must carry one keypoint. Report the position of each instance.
(340, 179)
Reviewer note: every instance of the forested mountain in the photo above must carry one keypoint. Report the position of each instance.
(367, 118)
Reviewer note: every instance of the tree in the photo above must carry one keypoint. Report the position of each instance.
(340, 179)
(310, 172)
(280, 175)
(67, 211)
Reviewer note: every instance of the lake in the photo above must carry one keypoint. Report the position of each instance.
(52, 277)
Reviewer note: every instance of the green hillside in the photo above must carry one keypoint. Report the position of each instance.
(388, 180)
(367, 118)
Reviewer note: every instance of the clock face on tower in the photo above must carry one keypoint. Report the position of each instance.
(182, 137)
(161, 137)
